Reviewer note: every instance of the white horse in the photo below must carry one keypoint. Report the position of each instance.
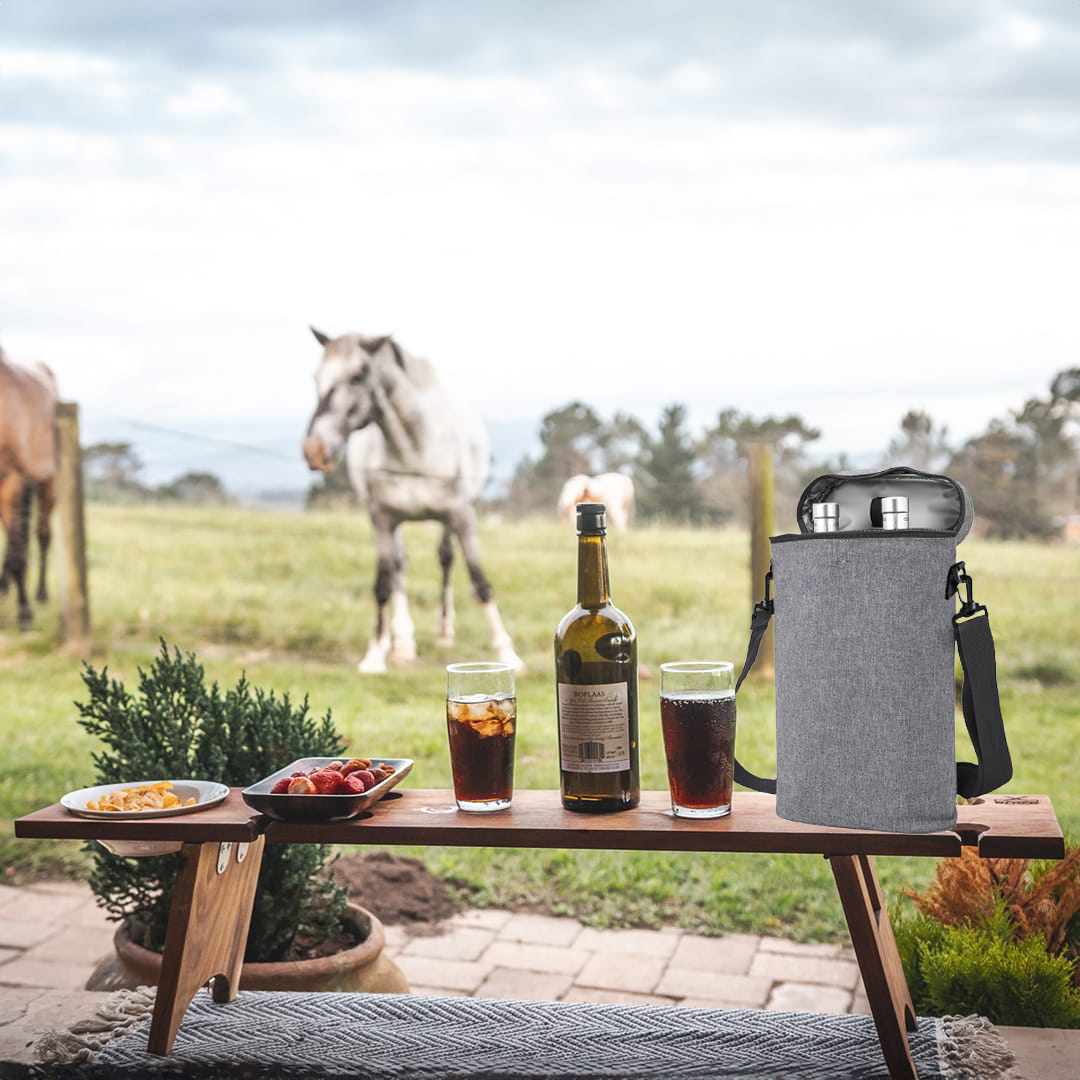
(614, 490)
(412, 455)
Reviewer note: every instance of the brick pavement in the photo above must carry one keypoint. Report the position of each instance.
(52, 934)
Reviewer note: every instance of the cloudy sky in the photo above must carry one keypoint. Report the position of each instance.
(837, 208)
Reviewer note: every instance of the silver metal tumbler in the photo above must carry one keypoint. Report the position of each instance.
(894, 512)
(826, 517)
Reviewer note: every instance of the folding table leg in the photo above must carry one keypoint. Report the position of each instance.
(207, 931)
(875, 947)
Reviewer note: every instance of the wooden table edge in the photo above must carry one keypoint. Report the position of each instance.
(556, 828)
(232, 820)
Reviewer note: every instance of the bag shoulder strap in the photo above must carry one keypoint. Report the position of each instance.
(759, 623)
(982, 710)
(982, 706)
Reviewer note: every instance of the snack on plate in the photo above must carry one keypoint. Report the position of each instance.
(157, 796)
(354, 777)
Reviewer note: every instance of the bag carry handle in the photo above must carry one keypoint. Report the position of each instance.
(982, 707)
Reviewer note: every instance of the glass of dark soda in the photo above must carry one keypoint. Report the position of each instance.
(481, 715)
(697, 713)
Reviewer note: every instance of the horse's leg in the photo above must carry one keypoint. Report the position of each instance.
(465, 526)
(46, 502)
(15, 496)
(445, 636)
(402, 630)
(374, 661)
(7, 516)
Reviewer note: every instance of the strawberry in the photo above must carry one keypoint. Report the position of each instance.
(282, 786)
(366, 777)
(354, 784)
(302, 785)
(327, 781)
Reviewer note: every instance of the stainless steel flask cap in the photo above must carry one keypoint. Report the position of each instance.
(826, 517)
(894, 512)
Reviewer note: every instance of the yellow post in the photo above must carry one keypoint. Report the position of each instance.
(762, 526)
(75, 610)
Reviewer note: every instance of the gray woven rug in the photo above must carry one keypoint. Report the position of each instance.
(387, 1037)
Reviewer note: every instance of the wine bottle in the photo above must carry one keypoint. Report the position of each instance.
(596, 680)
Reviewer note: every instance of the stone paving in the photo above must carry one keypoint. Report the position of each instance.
(52, 934)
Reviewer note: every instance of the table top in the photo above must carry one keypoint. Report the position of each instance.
(1000, 826)
(232, 819)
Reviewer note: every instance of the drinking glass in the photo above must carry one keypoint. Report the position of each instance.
(697, 713)
(481, 715)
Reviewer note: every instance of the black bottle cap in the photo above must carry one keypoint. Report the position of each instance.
(591, 519)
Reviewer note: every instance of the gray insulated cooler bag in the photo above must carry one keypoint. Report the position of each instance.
(865, 620)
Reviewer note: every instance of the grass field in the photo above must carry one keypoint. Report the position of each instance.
(287, 597)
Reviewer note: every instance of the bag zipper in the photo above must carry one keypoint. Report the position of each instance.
(862, 534)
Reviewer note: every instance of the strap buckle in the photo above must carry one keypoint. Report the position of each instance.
(764, 606)
(959, 579)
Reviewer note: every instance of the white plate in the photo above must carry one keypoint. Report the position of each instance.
(206, 794)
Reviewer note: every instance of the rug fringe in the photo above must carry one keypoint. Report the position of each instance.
(971, 1048)
(115, 1017)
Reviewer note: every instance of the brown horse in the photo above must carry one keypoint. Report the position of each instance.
(27, 468)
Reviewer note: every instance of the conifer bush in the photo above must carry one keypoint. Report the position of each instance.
(984, 968)
(1042, 896)
(175, 726)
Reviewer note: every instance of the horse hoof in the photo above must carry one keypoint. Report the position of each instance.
(444, 641)
(26, 618)
(372, 665)
(403, 654)
(508, 656)
(42, 596)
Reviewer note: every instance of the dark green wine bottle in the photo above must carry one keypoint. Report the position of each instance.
(596, 680)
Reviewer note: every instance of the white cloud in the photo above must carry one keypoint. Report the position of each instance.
(205, 100)
(540, 237)
(55, 65)
(1024, 32)
(95, 76)
(694, 79)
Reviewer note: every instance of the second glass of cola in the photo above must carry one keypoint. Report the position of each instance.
(697, 713)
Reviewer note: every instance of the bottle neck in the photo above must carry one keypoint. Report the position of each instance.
(593, 587)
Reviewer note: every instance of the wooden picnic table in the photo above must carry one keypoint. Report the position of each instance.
(222, 850)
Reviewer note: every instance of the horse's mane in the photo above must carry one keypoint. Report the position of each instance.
(45, 374)
(36, 370)
(419, 370)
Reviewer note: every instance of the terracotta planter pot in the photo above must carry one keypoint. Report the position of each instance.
(362, 968)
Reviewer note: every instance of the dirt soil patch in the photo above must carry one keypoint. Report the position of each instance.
(396, 888)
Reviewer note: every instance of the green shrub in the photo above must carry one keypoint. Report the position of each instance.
(983, 969)
(176, 726)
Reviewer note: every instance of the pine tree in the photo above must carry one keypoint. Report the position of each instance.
(670, 485)
(175, 725)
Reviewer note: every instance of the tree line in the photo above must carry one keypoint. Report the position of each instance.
(112, 472)
(1023, 469)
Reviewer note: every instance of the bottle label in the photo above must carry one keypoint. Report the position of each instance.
(594, 727)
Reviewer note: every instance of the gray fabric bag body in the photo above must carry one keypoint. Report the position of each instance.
(864, 639)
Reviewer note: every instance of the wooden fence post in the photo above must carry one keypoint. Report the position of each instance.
(75, 603)
(760, 457)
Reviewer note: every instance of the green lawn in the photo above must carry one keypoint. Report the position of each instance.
(287, 597)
